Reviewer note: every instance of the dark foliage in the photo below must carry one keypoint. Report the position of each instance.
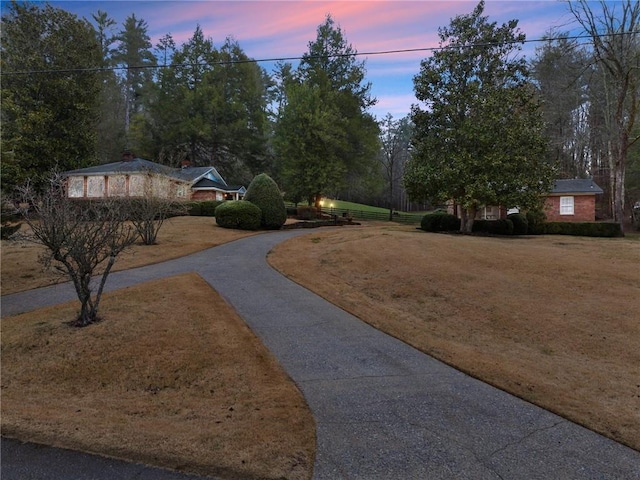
(239, 214)
(440, 222)
(583, 229)
(203, 208)
(520, 223)
(265, 194)
(494, 227)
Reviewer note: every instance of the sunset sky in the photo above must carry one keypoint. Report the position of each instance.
(276, 29)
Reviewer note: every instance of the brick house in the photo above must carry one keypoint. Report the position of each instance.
(572, 201)
(569, 201)
(136, 177)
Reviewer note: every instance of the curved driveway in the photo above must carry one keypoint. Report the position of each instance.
(383, 409)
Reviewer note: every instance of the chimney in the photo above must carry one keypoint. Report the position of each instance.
(185, 163)
(127, 156)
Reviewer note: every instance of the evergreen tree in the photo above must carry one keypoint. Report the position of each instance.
(331, 73)
(134, 54)
(209, 105)
(111, 135)
(49, 98)
(480, 141)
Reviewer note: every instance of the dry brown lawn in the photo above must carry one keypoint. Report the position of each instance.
(172, 376)
(554, 320)
(179, 382)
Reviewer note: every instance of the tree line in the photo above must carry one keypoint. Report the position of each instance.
(490, 126)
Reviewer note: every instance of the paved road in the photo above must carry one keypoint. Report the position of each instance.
(383, 409)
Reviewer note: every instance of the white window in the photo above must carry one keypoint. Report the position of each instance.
(117, 186)
(95, 187)
(181, 191)
(566, 205)
(136, 185)
(76, 187)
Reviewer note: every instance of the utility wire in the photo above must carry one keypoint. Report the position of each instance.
(285, 59)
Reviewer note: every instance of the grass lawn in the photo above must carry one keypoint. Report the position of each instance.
(551, 319)
(358, 209)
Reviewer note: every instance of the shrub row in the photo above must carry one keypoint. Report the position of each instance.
(203, 208)
(520, 224)
(583, 229)
(495, 227)
(510, 226)
(440, 222)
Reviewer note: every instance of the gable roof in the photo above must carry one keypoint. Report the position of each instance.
(207, 184)
(140, 165)
(576, 185)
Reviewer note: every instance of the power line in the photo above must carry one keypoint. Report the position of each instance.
(286, 59)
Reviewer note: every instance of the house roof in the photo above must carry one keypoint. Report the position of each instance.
(140, 165)
(207, 184)
(128, 166)
(576, 185)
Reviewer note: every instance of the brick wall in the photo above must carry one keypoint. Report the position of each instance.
(584, 209)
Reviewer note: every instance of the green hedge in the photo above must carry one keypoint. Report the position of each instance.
(520, 223)
(495, 227)
(440, 222)
(238, 214)
(203, 208)
(583, 229)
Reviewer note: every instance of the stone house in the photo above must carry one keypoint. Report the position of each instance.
(136, 177)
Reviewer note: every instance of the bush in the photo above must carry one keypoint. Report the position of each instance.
(208, 207)
(583, 229)
(440, 222)
(520, 223)
(203, 208)
(264, 193)
(535, 222)
(494, 227)
(239, 214)
(194, 209)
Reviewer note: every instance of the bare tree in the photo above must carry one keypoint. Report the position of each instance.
(148, 213)
(82, 238)
(615, 33)
(395, 137)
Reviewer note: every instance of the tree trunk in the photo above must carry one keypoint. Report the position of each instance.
(466, 221)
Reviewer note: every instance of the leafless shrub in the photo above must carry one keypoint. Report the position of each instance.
(82, 238)
(148, 213)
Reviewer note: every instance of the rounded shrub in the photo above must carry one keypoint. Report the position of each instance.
(265, 194)
(440, 222)
(238, 214)
(520, 223)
